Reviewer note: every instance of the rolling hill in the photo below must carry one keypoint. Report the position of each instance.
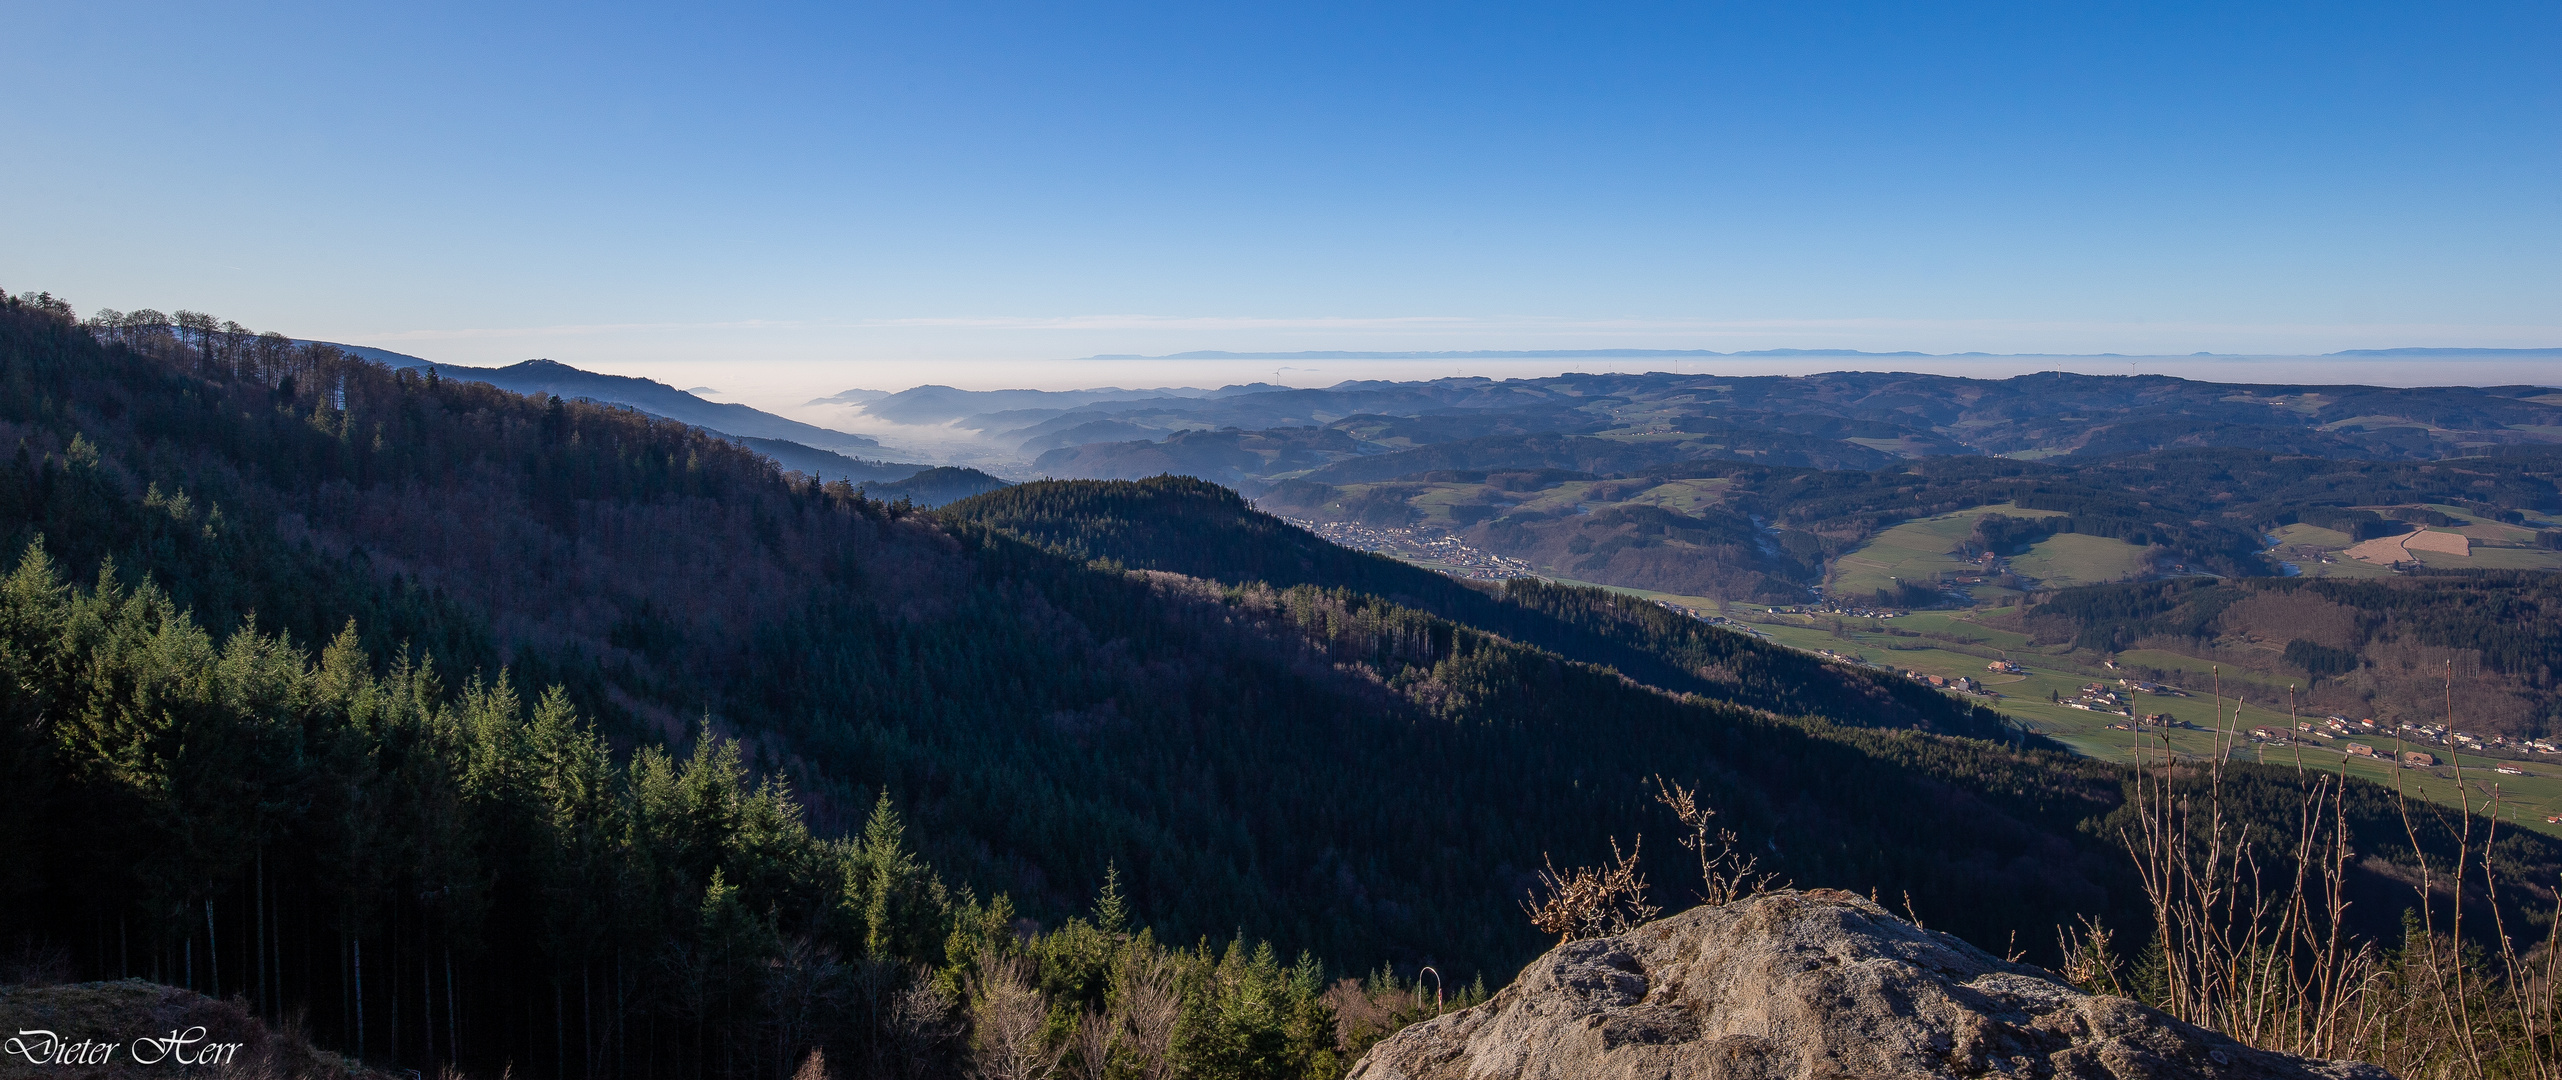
(658, 399)
(1035, 717)
(799, 447)
(600, 740)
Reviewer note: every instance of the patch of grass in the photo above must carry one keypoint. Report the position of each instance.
(2199, 675)
(2527, 800)
(2313, 536)
(2307, 547)
(1917, 550)
(2494, 558)
(2068, 559)
(1685, 496)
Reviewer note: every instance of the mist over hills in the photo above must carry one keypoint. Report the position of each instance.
(1861, 414)
(797, 446)
(1831, 420)
(1607, 477)
(657, 399)
(372, 683)
(1037, 711)
(1597, 354)
(2423, 352)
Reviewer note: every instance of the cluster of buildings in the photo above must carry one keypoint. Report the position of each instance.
(2147, 721)
(2333, 727)
(1737, 625)
(1954, 683)
(2317, 732)
(1421, 545)
(1961, 683)
(1840, 607)
(2100, 697)
(2410, 759)
(1988, 567)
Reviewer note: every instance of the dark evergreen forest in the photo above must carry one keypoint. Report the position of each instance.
(1193, 527)
(473, 727)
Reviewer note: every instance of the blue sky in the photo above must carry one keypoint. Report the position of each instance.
(725, 184)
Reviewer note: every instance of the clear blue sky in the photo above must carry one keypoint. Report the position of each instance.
(825, 181)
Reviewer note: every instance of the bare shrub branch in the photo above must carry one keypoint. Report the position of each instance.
(1590, 901)
(1726, 874)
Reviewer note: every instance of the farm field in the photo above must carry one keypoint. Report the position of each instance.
(1913, 551)
(2317, 552)
(1920, 550)
(2190, 671)
(2528, 799)
(2495, 558)
(1951, 643)
(2068, 559)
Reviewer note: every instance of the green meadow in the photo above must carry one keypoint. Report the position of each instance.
(1922, 550)
(1951, 644)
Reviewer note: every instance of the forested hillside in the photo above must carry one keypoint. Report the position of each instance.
(1196, 528)
(933, 487)
(482, 727)
(1841, 420)
(1367, 782)
(1758, 531)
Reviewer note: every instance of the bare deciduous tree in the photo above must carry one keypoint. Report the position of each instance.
(803, 986)
(922, 1022)
(1146, 1000)
(1009, 1018)
(1090, 1044)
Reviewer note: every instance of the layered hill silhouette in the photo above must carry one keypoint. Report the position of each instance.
(326, 677)
(1192, 527)
(799, 447)
(1229, 746)
(934, 487)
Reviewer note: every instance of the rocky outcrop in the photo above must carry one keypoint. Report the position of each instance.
(1816, 984)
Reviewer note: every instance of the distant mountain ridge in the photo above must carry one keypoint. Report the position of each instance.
(1480, 354)
(1042, 723)
(658, 399)
(805, 448)
(935, 404)
(2496, 354)
(1575, 354)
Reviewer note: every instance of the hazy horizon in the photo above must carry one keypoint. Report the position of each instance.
(788, 388)
(993, 184)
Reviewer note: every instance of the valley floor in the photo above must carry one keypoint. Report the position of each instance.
(1950, 644)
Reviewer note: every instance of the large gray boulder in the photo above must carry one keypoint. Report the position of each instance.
(1804, 985)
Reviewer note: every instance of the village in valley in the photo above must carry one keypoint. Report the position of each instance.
(1429, 547)
(2096, 708)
